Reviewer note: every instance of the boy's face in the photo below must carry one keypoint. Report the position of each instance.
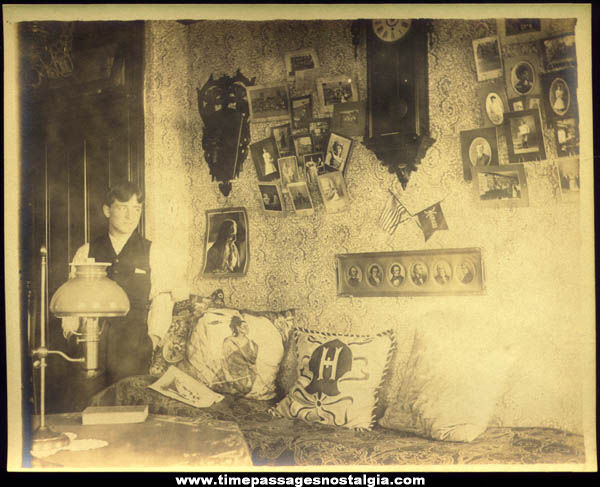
(123, 216)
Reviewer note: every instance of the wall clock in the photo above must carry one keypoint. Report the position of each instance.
(397, 93)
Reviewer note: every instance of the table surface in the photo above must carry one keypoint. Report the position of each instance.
(165, 442)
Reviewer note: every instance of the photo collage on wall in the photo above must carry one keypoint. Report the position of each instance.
(519, 96)
(301, 163)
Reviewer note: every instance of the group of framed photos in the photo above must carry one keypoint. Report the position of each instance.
(411, 273)
(518, 95)
(305, 150)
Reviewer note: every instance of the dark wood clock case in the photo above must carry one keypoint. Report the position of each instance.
(397, 99)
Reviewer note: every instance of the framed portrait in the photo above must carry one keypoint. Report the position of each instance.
(338, 89)
(350, 118)
(411, 273)
(521, 30)
(288, 170)
(517, 104)
(568, 173)
(314, 165)
(337, 152)
(300, 61)
(566, 134)
(488, 61)
(303, 144)
(301, 198)
(522, 74)
(301, 113)
(283, 138)
(501, 186)
(533, 101)
(227, 249)
(270, 197)
(479, 147)
(493, 103)
(333, 191)
(524, 136)
(265, 155)
(559, 95)
(268, 103)
(319, 129)
(559, 52)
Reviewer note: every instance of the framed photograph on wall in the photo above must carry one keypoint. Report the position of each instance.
(568, 172)
(479, 147)
(227, 248)
(270, 197)
(301, 113)
(517, 104)
(566, 133)
(314, 165)
(264, 155)
(283, 138)
(521, 30)
(411, 273)
(333, 191)
(488, 61)
(524, 136)
(501, 186)
(338, 89)
(301, 198)
(288, 170)
(493, 103)
(338, 152)
(559, 95)
(319, 129)
(300, 60)
(522, 75)
(350, 118)
(303, 144)
(559, 52)
(269, 102)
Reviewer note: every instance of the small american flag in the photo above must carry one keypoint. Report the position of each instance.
(393, 214)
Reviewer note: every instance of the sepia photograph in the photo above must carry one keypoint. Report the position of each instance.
(196, 290)
(524, 136)
(488, 61)
(501, 186)
(265, 154)
(268, 102)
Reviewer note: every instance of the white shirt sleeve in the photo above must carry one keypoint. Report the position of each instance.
(168, 285)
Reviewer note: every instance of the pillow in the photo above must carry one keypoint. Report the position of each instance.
(339, 378)
(450, 386)
(238, 352)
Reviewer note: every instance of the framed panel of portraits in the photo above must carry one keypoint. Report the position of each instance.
(501, 186)
(479, 147)
(522, 75)
(269, 102)
(559, 95)
(559, 52)
(493, 103)
(488, 61)
(411, 273)
(521, 30)
(524, 136)
(227, 248)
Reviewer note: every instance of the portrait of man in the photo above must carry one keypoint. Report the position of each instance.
(480, 152)
(226, 242)
(396, 275)
(442, 273)
(419, 274)
(354, 276)
(375, 275)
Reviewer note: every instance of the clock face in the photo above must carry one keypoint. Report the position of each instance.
(391, 30)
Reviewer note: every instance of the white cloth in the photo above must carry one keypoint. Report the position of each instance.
(167, 286)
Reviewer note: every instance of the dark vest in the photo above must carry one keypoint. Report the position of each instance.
(134, 255)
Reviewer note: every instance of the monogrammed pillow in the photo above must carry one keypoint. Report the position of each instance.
(339, 377)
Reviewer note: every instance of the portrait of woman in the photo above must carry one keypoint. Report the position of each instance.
(494, 108)
(559, 96)
(443, 272)
(522, 78)
(465, 272)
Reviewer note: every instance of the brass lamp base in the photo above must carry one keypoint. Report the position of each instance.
(46, 440)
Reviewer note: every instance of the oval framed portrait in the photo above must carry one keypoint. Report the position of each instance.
(396, 274)
(442, 272)
(522, 77)
(465, 272)
(480, 152)
(560, 96)
(494, 108)
(375, 275)
(354, 275)
(419, 273)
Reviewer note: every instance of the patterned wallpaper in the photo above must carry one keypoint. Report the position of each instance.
(529, 253)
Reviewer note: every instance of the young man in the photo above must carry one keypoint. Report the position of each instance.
(142, 271)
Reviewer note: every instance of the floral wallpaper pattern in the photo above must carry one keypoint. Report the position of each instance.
(531, 267)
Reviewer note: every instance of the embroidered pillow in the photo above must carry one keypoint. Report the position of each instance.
(238, 352)
(339, 377)
(451, 384)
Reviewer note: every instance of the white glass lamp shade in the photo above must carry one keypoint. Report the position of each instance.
(90, 294)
